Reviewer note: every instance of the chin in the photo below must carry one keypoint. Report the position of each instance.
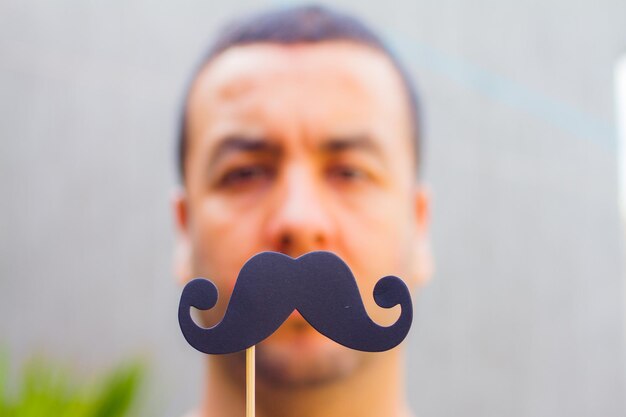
(298, 357)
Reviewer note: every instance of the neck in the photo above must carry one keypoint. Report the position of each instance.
(375, 390)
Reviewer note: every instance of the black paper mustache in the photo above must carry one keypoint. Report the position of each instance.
(271, 285)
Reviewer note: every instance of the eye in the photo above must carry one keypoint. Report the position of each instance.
(347, 173)
(245, 175)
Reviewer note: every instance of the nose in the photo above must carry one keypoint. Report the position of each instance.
(299, 220)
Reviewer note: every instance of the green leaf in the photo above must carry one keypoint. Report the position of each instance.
(48, 390)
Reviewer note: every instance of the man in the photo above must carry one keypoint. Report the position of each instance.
(300, 133)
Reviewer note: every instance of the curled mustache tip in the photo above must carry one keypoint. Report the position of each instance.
(199, 293)
(390, 291)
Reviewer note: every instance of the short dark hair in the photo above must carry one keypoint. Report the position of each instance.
(296, 25)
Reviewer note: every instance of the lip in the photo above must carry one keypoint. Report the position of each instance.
(294, 328)
(297, 333)
(295, 315)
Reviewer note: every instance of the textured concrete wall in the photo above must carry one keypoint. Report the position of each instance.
(525, 316)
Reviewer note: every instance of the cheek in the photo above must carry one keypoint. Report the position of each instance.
(378, 232)
(376, 240)
(223, 240)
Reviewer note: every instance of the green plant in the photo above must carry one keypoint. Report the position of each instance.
(47, 390)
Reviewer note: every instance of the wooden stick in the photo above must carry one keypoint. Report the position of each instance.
(250, 401)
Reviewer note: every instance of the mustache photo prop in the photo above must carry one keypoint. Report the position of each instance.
(270, 286)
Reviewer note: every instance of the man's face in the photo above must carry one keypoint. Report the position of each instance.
(294, 149)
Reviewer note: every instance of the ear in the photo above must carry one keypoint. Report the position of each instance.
(182, 248)
(422, 263)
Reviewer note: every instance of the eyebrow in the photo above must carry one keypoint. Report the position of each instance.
(356, 142)
(239, 143)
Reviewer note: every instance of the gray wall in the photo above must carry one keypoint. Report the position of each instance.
(525, 315)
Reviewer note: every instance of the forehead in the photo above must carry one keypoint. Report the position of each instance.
(320, 88)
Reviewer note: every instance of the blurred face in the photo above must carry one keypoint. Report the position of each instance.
(294, 149)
